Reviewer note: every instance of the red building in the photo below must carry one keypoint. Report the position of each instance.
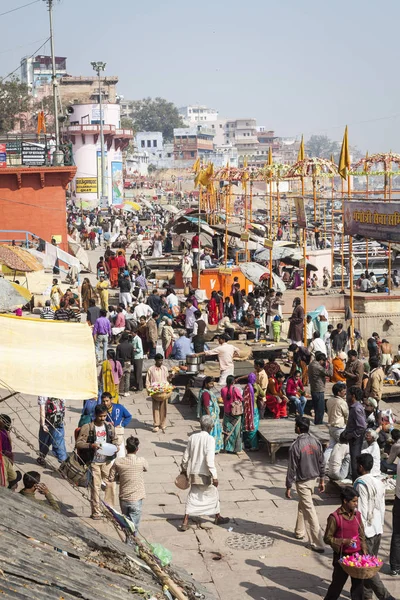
(33, 199)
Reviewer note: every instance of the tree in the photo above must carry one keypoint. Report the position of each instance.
(127, 123)
(156, 115)
(14, 100)
(322, 146)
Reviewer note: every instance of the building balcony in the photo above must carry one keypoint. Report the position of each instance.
(110, 130)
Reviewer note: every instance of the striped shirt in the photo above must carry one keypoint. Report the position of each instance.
(66, 314)
(47, 313)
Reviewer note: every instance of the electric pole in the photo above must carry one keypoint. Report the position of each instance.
(56, 154)
(99, 67)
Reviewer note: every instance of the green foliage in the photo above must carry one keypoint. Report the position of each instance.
(14, 99)
(156, 115)
(322, 147)
(127, 123)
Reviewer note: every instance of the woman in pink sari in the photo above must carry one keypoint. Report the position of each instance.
(232, 424)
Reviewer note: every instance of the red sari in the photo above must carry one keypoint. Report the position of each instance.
(273, 395)
(113, 264)
(213, 312)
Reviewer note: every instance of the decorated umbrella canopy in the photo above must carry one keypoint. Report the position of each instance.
(387, 161)
(255, 273)
(12, 295)
(312, 167)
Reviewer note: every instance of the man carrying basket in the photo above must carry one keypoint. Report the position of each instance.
(158, 374)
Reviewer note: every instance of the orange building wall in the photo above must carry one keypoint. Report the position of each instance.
(213, 281)
(33, 199)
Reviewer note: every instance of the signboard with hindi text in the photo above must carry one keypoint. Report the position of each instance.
(86, 185)
(375, 220)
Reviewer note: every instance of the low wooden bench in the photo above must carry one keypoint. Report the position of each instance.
(280, 433)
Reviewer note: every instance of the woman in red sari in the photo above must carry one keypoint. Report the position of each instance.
(213, 309)
(114, 270)
(275, 400)
(220, 305)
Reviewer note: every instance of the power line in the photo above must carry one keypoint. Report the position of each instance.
(19, 66)
(18, 8)
(21, 46)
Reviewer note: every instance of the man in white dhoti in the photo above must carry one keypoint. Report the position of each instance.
(198, 464)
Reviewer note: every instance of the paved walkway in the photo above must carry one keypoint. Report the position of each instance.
(271, 564)
(259, 558)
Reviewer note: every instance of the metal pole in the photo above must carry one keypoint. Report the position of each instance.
(104, 191)
(304, 271)
(98, 67)
(54, 76)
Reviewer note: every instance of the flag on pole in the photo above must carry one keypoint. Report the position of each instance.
(301, 154)
(270, 159)
(344, 160)
(196, 166)
(41, 124)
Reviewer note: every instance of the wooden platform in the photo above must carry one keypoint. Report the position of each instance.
(280, 433)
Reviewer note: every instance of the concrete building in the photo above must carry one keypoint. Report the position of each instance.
(151, 142)
(218, 127)
(137, 163)
(84, 133)
(242, 133)
(83, 90)
(191, 142)
(36, 72)
(33, 199)
(198, 114)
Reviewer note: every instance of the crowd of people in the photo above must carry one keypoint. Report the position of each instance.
(317, 376)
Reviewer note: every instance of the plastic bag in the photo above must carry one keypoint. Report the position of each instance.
(163, 555)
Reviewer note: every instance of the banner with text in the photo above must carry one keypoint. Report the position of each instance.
(86, 185)
(373, 220)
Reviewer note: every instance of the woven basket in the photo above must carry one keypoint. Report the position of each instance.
(161, 396)
(361, 572)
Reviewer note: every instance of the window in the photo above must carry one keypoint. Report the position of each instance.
(169, 154)
(149, 143)
(142, 143)
(154, 143)
(220, 126)
(192, 154)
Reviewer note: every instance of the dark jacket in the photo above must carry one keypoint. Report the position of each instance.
(87, 437)
(155, 303)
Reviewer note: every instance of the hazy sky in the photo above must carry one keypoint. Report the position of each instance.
(297, 66)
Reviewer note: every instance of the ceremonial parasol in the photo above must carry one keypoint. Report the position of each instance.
(12, 295)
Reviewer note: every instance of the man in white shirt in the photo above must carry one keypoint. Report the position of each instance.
(226, 353)
(190, 316)
(317, 345)
(338, 465)
(142, 310)
(338, 413)
(371, 504)
(198, 464)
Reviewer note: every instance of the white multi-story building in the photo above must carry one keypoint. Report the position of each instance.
(242, 133)
(84, 134)
(151, 142)
(198, 114)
